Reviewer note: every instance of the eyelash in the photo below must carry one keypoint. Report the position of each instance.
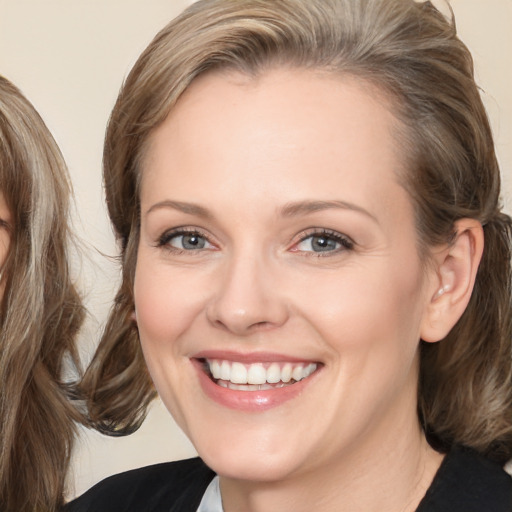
(346, 244)
(165, 239)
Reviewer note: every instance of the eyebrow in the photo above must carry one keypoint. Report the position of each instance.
(305, 207)
(190, 208)
(289, 210)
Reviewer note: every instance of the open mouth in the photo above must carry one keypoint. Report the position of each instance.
(256, 376)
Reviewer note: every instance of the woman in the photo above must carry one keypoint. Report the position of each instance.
(316, 268)
(41, 311)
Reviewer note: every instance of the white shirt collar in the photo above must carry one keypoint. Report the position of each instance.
(212, 500)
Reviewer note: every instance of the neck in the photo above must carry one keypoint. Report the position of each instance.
(383, 475)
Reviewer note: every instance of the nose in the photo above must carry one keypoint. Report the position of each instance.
(248, 298)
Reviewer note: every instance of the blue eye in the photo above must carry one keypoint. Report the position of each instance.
(324, 242)
(188, 242)
(184, 241)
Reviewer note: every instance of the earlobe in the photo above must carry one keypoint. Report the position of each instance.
(456, 266)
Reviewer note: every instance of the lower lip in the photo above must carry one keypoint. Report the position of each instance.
(251, 401)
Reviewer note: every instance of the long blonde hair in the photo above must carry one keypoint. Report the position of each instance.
(412, 52)
(40, 313)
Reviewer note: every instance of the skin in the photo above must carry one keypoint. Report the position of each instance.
(244, 150)
(5, 237)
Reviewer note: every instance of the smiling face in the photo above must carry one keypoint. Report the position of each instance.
(279, 292)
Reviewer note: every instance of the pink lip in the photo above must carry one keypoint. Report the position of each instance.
(251, 357)
(248, 401)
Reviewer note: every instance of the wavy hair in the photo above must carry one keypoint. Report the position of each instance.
(40, 313)
(411, 52)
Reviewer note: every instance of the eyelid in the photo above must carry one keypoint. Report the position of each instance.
(346, 242)
(180, 230)
(163, 240)
(6, 225)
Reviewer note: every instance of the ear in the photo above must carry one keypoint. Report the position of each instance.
(453, 280)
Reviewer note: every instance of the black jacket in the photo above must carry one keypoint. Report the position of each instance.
(465, 482)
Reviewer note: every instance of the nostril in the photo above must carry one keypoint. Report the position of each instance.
(242, 327)
(243, 316)
(260, 326)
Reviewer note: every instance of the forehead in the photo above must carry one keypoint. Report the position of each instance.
(298, 129)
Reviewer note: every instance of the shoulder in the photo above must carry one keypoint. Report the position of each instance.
(468, 482)
(170, 486)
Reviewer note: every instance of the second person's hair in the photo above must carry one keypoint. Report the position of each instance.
(40, 313)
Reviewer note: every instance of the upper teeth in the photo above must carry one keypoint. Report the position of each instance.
(259, 373)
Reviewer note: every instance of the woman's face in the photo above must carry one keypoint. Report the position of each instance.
(5, 237)
(278, 253)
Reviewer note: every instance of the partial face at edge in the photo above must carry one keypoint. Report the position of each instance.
(275, 236)
(5, 237)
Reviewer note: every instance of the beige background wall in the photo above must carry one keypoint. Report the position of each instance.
(70, 56)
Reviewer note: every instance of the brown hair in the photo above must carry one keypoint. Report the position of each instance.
(412, 52)
(40, 313)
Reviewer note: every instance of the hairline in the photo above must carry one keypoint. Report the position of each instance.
(402, 130)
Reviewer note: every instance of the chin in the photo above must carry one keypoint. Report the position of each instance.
(256, 447)
(238, 465)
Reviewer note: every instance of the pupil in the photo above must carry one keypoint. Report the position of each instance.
(193, 242)
(323, 244)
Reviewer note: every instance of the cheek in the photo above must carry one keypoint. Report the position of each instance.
(371, 308)
(370, 322)
(166, 302)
